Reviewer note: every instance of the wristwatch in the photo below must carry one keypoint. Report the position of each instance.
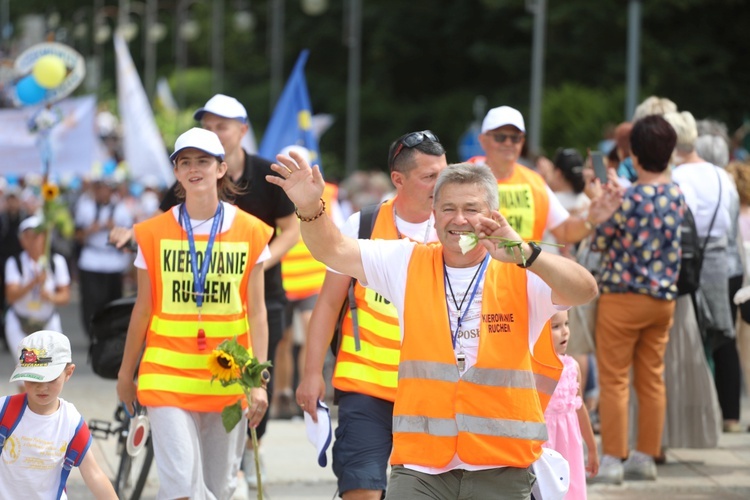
(535, 251)
(265, 378)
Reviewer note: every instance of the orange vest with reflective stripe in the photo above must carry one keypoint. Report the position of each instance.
(373, 370)
(524, 202)
(173, 371)
(494, 414)
(301, 274)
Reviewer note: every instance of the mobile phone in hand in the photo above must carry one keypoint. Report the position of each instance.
(600, 168)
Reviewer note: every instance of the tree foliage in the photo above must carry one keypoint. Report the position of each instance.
(425, 61)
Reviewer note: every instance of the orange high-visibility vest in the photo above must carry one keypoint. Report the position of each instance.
(524, 202)
(373, 370)
(173, 371)
(494, 413)
(301, 274)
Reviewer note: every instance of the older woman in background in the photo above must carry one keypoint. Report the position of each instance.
(638, 291)
(711, 194)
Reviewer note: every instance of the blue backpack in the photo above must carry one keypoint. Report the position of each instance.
(10, 416)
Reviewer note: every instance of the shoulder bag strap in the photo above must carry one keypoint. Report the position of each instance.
(713, 219)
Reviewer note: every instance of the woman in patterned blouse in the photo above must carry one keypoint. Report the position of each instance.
(641, 245)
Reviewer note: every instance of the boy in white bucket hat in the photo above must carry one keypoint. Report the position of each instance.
(38, 429)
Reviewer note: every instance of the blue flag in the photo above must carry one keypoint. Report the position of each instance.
(291, 120)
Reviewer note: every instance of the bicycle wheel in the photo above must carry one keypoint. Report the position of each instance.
(132, 473)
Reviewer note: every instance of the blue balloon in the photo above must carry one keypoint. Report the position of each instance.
(29, 92)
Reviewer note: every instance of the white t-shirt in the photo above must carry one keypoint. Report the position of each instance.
(386, 263)
(556, 214)
(32, 457)
(421, 232)
(204, 227)
(700, 186)
(97, 255)
(31, 305)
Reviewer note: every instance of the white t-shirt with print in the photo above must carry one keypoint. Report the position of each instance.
(31, 305)
(32, 457)
(386, 263)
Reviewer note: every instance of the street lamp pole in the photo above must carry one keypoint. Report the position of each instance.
(633, 68)
(217, 46)
(181, 51)
(123, 13)
(149, 48)
(539, 9)
(354, 38)
(277, 50)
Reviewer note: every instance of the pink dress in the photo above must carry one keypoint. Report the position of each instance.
(563, 429)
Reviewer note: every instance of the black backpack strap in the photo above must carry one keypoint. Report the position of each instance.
(367, 218)
(17, 259)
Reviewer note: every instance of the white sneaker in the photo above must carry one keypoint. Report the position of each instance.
(248, 468)
(610, 471)
(640, 466)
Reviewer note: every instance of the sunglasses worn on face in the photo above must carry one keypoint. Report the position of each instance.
(414, 139)
(500, 138)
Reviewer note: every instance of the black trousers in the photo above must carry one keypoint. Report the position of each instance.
(275, 315)
(727, 373)
(97, 289)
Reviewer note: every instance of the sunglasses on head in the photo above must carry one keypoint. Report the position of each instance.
(412, 140)
(500, 137)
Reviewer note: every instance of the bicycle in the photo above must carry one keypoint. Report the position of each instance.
(110, 327)
(133, 470)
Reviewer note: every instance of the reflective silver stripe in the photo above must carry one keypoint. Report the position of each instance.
(429, 370)
(502, 428)
(545, 384)
(441, 427)
(517, 379)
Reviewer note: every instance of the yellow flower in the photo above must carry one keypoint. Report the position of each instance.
(223, 366)
(50, 191)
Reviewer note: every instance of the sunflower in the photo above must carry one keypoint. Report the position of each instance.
(223, 366)
(50, 191)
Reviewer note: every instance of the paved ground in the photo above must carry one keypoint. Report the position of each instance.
(293, 473)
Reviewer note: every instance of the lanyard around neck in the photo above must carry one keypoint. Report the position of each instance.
(477, 280)
(199, 277)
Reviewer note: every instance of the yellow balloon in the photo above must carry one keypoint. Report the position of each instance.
(49, 71)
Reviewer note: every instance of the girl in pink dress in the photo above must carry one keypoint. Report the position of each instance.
(568, 424)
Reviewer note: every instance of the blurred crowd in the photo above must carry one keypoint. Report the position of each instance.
(704, 343)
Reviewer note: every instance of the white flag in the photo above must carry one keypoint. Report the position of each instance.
(143, 146)
(72, 141)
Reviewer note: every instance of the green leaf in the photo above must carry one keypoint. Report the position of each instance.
(230, 415)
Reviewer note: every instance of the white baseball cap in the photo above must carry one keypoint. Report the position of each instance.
(199, 138)
(42, 357)
(319, 433)
(504, 115)
(32, 222)
(224, 106)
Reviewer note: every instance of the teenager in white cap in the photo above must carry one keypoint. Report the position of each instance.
(200, 282)
(44, 364)
(34, 287)
(227, 118)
